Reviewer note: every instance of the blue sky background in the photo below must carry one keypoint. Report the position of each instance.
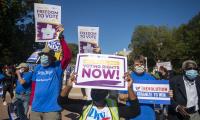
(117, 19)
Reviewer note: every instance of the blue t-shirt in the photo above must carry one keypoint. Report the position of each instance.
(26, 87)
(147, 111)
(48, 84)
(1, 77)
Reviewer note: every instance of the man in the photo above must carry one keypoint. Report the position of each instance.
(47, 83)
(99, 108)
(186, 100)
(23, 89)
(147, 110)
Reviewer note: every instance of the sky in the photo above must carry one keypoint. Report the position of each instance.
(117, 19)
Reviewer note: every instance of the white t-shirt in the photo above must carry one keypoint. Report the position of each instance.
(99, 114)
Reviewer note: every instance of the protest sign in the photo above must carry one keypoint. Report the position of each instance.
(54, 45)
(152, 91)
(34, 58)
(167, 65)
(47, 18)
(1, 90)
(88, 38)
(101, 71)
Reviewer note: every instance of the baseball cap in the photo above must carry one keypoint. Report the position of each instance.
(22, 65)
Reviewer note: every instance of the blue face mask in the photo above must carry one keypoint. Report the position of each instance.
(44, 60)
(191, 74)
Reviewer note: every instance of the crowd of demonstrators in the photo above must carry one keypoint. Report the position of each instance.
(47, 83)
(186, 87)
(39, 94)
(147, 110)
(100, 107)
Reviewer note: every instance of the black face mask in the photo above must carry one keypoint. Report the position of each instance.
(98, 95)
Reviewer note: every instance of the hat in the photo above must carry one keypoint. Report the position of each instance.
(22, 65)
(47, 50)
(187, 62)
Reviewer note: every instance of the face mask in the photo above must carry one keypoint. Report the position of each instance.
(44, 60)
(139, 69)
(191, 74)
(21, 70)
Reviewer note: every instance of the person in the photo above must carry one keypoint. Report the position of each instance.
(47, 82)
(163, 73)
(8, 83)
(186, 100)
(23, 89)
(100, 107)
(147, 110)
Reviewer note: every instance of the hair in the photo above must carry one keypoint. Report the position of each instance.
(162, 68)
(139, 58)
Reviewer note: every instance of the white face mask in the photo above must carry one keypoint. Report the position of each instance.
(139, 69)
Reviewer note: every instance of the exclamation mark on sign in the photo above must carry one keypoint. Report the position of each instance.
(117, 74)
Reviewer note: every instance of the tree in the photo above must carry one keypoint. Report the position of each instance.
(156, 43)
(74, 49)
(189, 35)
(17, 40)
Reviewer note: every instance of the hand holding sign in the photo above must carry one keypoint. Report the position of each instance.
(72, 79)
(60, 30)
(128, 79)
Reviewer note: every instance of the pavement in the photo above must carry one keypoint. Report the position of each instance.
(66, 115)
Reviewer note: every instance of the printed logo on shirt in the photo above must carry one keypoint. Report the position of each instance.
(96, 114)
(47, 72)
(44, 76)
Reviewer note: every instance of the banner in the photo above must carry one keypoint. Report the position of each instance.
(152, 91)
(101, 71)
(47, 18)
(167, 65)
(88, 38)
(34, 58)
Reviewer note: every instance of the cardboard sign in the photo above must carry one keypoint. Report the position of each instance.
(47, 18)
(152, 91)
(88, 38)
(101, 71)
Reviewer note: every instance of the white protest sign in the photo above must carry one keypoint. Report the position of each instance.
(88, 38)
(167, 65)
(47, 18)
(101, 71)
